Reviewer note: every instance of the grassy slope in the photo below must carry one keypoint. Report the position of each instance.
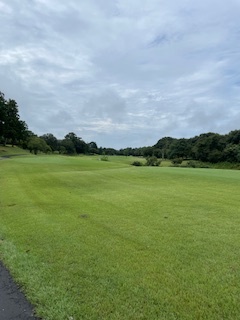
(9, 150)
(102, 240)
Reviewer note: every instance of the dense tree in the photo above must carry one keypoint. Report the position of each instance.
(12, 129)
(2, 114)
(51, 141)
(209, 147)
(148, 151)
(233, 137)
(231, 153)
(138, 152)
(67, 147)
(179, 148)
(157, 153)
(164, 145)
(92, 147)
(128, 152)
(36, 144)
(79, 145)
(109, 151)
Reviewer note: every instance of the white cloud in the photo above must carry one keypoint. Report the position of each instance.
(5, 8)
(121, 73)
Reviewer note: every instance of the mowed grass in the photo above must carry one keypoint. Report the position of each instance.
(89, 239)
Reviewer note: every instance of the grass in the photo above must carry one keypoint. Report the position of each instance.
(9, 150)
(89, 239)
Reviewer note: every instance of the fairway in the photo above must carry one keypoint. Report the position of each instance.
(90, 239)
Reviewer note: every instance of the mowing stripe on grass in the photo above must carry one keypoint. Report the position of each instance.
(104, 240)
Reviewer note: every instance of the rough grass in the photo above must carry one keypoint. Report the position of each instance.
(89, 239)
(9, 150)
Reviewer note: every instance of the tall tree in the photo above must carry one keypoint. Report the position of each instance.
(92, 147)
(51, 140)
(12, 129)
(180, 148)
(67, 146)
(234, 137)
(36, 144)
(79, 145)
(2, 114)
(164, 145)
(209, 147)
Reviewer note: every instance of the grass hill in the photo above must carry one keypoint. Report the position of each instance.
(9, 151)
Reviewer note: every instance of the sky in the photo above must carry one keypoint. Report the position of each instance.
(122, 73)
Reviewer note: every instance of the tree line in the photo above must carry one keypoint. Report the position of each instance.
(207, 147)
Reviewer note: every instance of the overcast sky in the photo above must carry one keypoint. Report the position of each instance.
(122, 73)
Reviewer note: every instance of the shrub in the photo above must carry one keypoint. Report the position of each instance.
(153, 161)
(62, 150)
(137, 163)
(191, 164)
(197, 164)
(177, 161)
(104, 158)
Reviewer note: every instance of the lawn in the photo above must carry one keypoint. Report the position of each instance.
(90, 239)
(9, 150)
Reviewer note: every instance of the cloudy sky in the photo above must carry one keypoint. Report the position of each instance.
(122, 73)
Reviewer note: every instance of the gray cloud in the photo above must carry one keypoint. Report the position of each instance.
(106, 105)
(120, 73)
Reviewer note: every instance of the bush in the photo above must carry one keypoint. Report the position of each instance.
(191, 164)
(177, 161)
(137, 163)
(104, 158)
(153, 162)
(197, 164)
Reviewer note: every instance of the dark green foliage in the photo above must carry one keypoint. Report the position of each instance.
(232, 153)
(78, 144)
(51, 141)
(138, 152)
(62, 150)
(209, 147)
(137, 163)
(148, 152)
(196, 164)
(67, 147)
(93, 148)
(127, 152)
(108, 151)
(234, 137)
(179, 149)
(36, 144)
(157, 153)
(164, 145)
(71, 144)
(12, 129)
(192, 164)
(177, 161)
(153, 162)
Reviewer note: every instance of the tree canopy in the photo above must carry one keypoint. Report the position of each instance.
(12, 129)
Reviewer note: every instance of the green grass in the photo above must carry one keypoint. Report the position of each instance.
(9, 150)
(90, 239)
